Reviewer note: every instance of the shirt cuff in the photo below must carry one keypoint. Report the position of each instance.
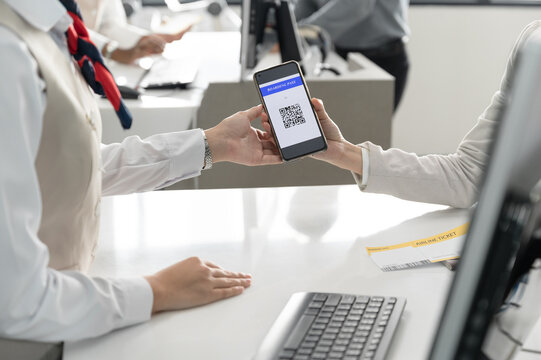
(366, 167)
(362, 180)
(127, 36)
(99, 40)
(138, 300)
(186, 153)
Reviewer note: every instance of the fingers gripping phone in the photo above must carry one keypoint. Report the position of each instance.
(292, 117)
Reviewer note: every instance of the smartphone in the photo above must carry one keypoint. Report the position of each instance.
(286, 100)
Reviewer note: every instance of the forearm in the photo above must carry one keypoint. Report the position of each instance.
(442, 179)
(47, 305)
(137, 164)
(126, 35)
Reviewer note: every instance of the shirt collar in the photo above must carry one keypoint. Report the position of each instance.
(42, 14)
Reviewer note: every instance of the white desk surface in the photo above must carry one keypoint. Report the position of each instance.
(289, 239)
(532, 345)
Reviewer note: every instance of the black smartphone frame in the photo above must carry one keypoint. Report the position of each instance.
(304, 148)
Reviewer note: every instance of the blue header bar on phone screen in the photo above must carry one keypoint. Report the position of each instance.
(281, 86)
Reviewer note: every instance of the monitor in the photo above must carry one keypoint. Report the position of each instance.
(258, 16)
(504, 219)
(291, 47)
(254, 20)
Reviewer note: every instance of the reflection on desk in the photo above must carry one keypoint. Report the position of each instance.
(290, 239)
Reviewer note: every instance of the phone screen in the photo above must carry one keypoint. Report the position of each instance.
(292, 117)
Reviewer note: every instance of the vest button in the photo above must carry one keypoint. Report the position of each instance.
(90, 121)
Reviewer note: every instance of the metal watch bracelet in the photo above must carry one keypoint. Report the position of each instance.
(207, 164)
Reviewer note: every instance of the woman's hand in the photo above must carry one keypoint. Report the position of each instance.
(235, 140)
(194, 282)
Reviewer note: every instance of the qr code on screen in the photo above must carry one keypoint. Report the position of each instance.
(292, 115)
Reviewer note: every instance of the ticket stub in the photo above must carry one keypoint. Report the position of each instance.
(440, 247)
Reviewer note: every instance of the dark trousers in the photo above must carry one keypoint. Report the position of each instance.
(395, 62)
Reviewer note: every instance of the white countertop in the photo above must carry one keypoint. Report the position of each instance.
(289, 239)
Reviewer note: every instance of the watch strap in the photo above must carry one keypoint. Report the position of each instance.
(207, 163)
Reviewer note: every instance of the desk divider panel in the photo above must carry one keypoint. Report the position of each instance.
(360, 103)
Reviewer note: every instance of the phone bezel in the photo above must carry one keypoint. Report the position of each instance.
(300, 154)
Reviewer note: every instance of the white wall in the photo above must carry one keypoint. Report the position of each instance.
(458, 56)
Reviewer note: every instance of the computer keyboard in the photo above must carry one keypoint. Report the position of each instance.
(170, 73)
(333, 326)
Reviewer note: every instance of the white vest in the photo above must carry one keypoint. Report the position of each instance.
(68, 161)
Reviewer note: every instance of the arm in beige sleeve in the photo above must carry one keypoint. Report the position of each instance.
(445, 179)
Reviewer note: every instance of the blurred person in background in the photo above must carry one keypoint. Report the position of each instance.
(377, 29)
(117, 39)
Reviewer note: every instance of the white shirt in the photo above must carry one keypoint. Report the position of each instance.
(106, 21)
(38, 302)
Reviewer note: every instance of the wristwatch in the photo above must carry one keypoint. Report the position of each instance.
(109, 49)
(207, 164)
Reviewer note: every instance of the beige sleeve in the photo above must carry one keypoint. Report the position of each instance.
(444, 179)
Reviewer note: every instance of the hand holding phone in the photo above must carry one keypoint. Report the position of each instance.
(292, 117)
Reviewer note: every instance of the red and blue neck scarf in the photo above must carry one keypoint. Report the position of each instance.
(89, 59)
